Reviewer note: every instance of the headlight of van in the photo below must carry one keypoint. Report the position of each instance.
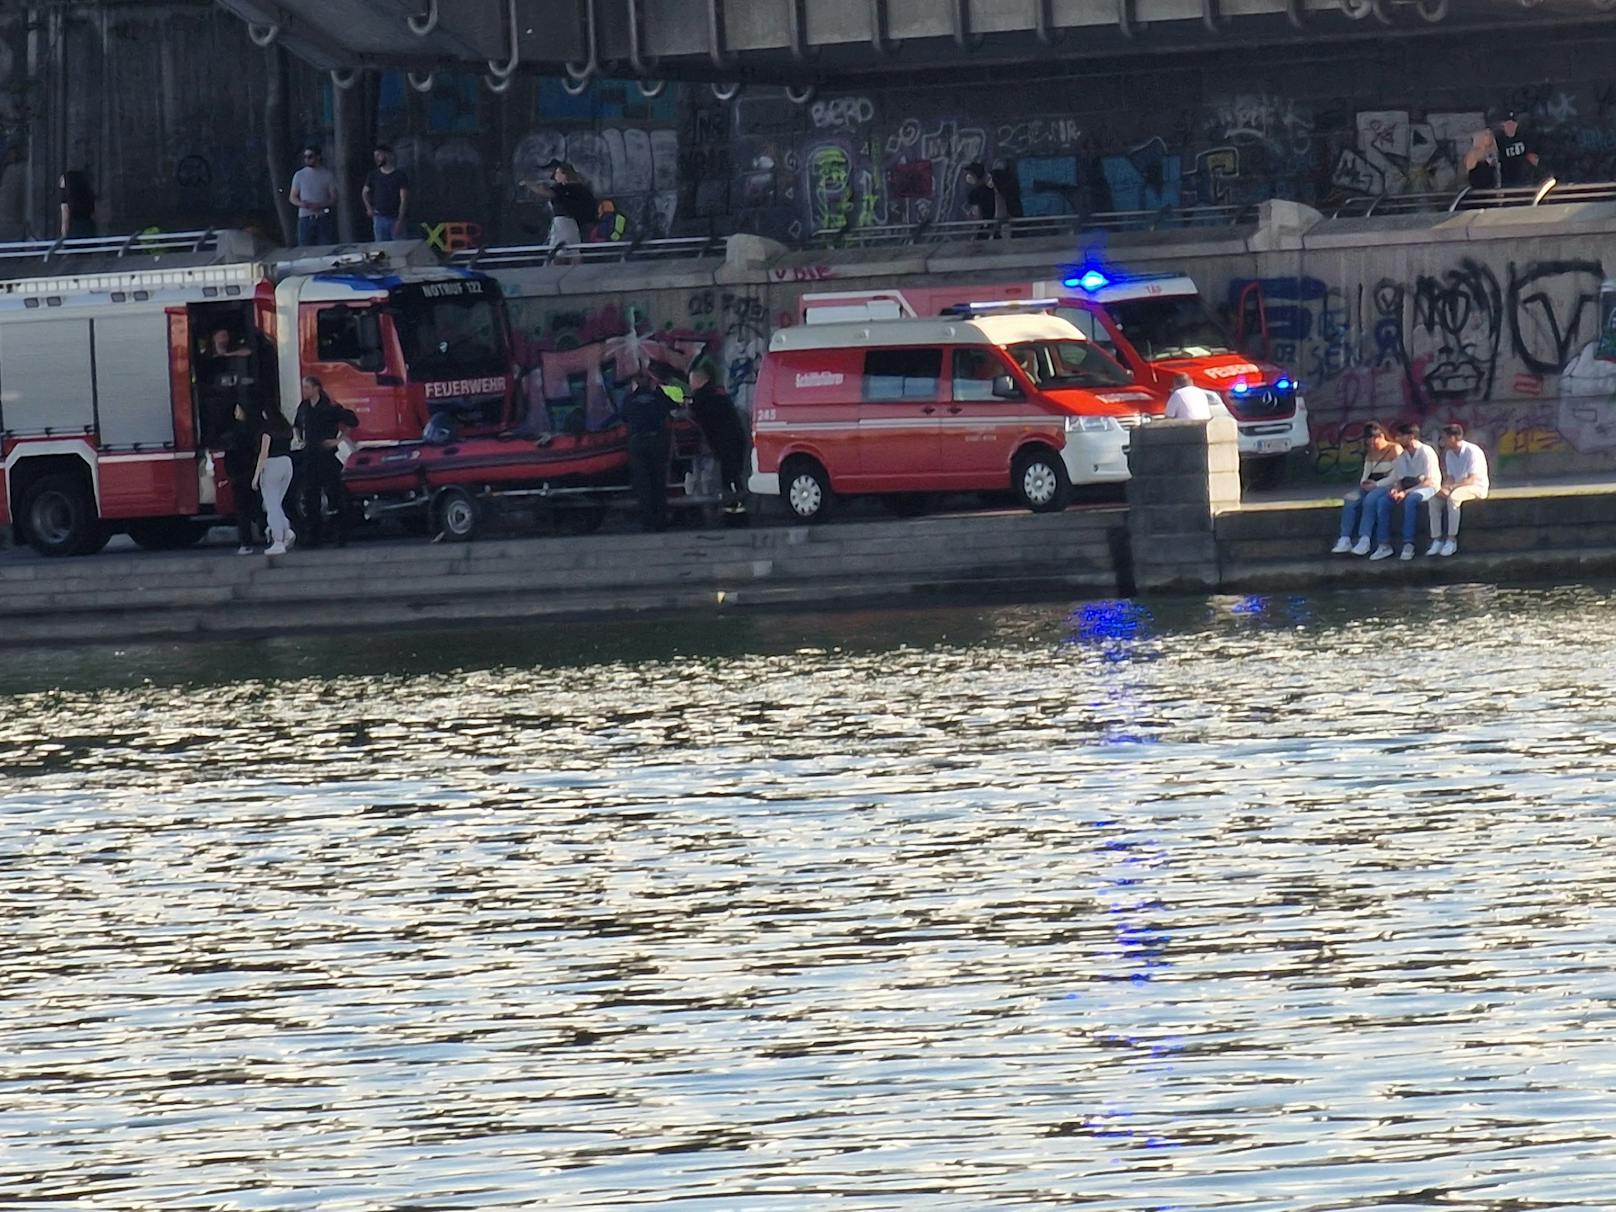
(1091, 424)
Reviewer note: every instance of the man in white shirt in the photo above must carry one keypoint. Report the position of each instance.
(1464, 478)
(314, 193)
(1191, 403)
(1414, 479)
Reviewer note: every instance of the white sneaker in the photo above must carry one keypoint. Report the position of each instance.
(1435, 548)
(1451, 547)
(1408, 552)
(275, 549)
(1383, 552)
(1361, 547)
(245, 551)
(287, 542)
(1342, 546)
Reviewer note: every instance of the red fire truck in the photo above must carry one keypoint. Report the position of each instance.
(115, 389)
(1156, 325)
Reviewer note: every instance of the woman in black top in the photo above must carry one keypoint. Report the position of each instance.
(273, 477)
(78, 205)
(241, 445)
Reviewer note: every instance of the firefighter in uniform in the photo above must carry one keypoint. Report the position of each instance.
(321, 426)
(721, 425)
(646, 411)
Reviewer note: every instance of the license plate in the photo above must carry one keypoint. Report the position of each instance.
(1273, 445)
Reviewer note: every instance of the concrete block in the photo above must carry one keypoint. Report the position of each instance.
(1145, 492)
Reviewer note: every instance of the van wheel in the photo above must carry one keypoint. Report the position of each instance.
(1038, 478)
(805, 488)
(61, 517)
(458, 514)
(166, 534)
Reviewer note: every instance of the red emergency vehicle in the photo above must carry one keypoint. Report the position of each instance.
(977, 402)
(113, 394)
(1156, 325)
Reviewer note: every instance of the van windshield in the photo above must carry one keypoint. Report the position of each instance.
(1177, 326)
(1068, 364)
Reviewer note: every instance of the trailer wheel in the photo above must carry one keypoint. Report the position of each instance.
(166, 534)
(61, 519)
(1038, 478)
(458, 514)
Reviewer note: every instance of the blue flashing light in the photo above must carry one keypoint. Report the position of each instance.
(1283, 384)
(1240, 387)
(1090, 279)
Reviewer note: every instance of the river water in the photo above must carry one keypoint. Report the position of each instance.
(1271, 904)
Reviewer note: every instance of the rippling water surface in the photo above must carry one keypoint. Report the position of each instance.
(1281, 905)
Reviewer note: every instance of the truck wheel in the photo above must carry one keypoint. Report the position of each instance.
(1038, 478)
(458, 514)
(60, 513)
(166, 534)
(805, 488)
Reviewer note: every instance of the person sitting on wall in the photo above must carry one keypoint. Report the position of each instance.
(1464, 478)
(1414, 479)
(1380, 452)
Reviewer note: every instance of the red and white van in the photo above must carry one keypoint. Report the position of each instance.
(1155, 325)
(976, 403)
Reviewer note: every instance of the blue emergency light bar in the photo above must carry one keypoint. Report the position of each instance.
(1092, 280)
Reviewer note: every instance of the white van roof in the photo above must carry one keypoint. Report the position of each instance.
(1123, 288)
(941, 330)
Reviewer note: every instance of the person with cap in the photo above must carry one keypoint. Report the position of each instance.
(646, 409)
(1517, 157)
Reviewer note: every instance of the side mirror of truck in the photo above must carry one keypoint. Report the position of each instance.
(1004, 388)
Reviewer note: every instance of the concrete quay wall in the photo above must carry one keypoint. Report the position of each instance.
(372, 585)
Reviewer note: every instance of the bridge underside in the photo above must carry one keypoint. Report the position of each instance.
(844, 42)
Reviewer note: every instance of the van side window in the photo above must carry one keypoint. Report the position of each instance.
(902, 374)
(974, 373)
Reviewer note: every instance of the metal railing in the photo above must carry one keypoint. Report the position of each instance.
(1031, 226)
(1548, 193)
(143, 244)
(522, 256)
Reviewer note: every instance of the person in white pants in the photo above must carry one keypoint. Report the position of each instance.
(273, 477)
(1464, 478)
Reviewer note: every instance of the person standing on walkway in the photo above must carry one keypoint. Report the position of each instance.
(721, 425)
(646, 411)
(573, 209)
(387, 197)
(1464, 478)
(1380, 452)
(241, 450)
(78, 206)
(322, 425)
(272, 477)
(1414, 479)
(314, 193)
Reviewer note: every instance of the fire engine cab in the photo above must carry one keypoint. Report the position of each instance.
(1156, 325)
(121, 367)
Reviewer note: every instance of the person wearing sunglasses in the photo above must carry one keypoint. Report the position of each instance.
(314, 193)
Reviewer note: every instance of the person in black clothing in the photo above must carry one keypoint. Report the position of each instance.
(224, 373)
(981, 202)
(78, 205)
(1517, 157)
(1006, 184)
(241, 443)
(572, 202)
(387, 197)
(646, 411)
(726, 435)
(320, 426)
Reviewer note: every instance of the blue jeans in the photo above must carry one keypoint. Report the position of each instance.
(1411, 513)
(317, 229)
(1366, 504)
(383, 228)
